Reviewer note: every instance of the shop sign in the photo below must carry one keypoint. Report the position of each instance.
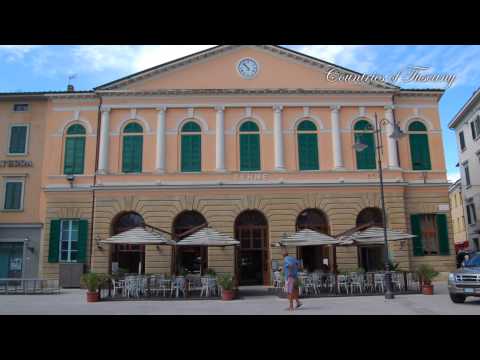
(16, 163)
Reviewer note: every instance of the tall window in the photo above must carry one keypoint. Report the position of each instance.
(467, 173)
(307, 146)
(74, 150)
(475, 127)
(18, 140)
(419, 149)
(13, 194)
(249, 147)
(431, 234)
(471, 214)
(132, 148)
(68, 240)
(191, 151)
(461, 137)
(364, 134)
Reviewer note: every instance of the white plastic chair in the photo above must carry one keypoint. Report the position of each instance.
(118, 286)
(397, 280)
(277, 280)
(356, 282)
(178, 286)
(378, 280)
(308, 285)
(342, 281)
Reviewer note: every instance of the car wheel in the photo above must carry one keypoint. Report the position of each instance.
(457, 299)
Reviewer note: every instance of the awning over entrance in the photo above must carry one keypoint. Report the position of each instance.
(208, 237)
(373, 236)
(139, 236)
(307, 237)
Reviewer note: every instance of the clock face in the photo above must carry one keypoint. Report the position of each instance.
(248, 68)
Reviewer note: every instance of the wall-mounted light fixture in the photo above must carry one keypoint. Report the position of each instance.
(71, 179)
(28, 245)
(98, 243)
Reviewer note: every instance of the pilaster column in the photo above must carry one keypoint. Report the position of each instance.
(336, 138)
(392, 143)
(278, 137)
(161, 148)
(220, 139)
(104, 142)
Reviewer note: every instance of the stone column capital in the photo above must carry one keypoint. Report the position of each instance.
(220, 108)
(389, 107)
(161, 108)
(106, 110)
(335, 108)
(277, 108)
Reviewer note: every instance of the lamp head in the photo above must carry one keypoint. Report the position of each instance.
(397, 133)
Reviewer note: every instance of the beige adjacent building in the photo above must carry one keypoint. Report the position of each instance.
(458, 217)
(254, 140)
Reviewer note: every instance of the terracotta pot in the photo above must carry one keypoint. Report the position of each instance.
(427, 289)
(93, 296)
(228, 294)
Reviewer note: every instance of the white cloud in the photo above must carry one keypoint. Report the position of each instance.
(355, 57)
(453, 176)
(16, 52)
(129, 58)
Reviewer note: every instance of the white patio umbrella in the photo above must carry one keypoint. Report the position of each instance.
(307, 237)
(208, 237)
(373, 236)
(139, 236)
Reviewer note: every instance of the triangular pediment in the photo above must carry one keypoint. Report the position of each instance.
(217, 68)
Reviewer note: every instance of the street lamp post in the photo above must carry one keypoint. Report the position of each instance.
(396, 134)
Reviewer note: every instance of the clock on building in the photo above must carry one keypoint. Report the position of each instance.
(247, 68)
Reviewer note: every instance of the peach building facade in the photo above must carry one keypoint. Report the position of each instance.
(254, 141)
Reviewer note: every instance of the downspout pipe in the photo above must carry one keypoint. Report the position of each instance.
(97, 149)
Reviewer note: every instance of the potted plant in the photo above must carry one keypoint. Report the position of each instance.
(426, 273)
(227, 284)
(93, 282)
(211, 272)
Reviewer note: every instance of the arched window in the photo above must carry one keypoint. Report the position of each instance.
(132, 148)
(370, 215)
(307, 146)
(74, 150)
(191, 148)
(313, 219)
(419, 149)
(364, 134)
(249, 139)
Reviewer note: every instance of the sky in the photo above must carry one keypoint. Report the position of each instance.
(48, 67)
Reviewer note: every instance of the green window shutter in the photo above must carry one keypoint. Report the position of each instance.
(420, 152)
(442, 233)
(74, 156)
(18, 140)
(54, 244)
(417, 240)
(13, 196)
(82, 241)
(366, 159)
(249, 152)
(191, 160)
(308, 151)
(132, 154)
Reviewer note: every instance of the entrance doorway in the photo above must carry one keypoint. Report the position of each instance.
(128, 258)
(370, 258)
(315, 257)
(251, 229)
(11, 260)
(193, 259)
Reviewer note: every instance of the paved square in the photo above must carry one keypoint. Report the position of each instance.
(72, 302)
